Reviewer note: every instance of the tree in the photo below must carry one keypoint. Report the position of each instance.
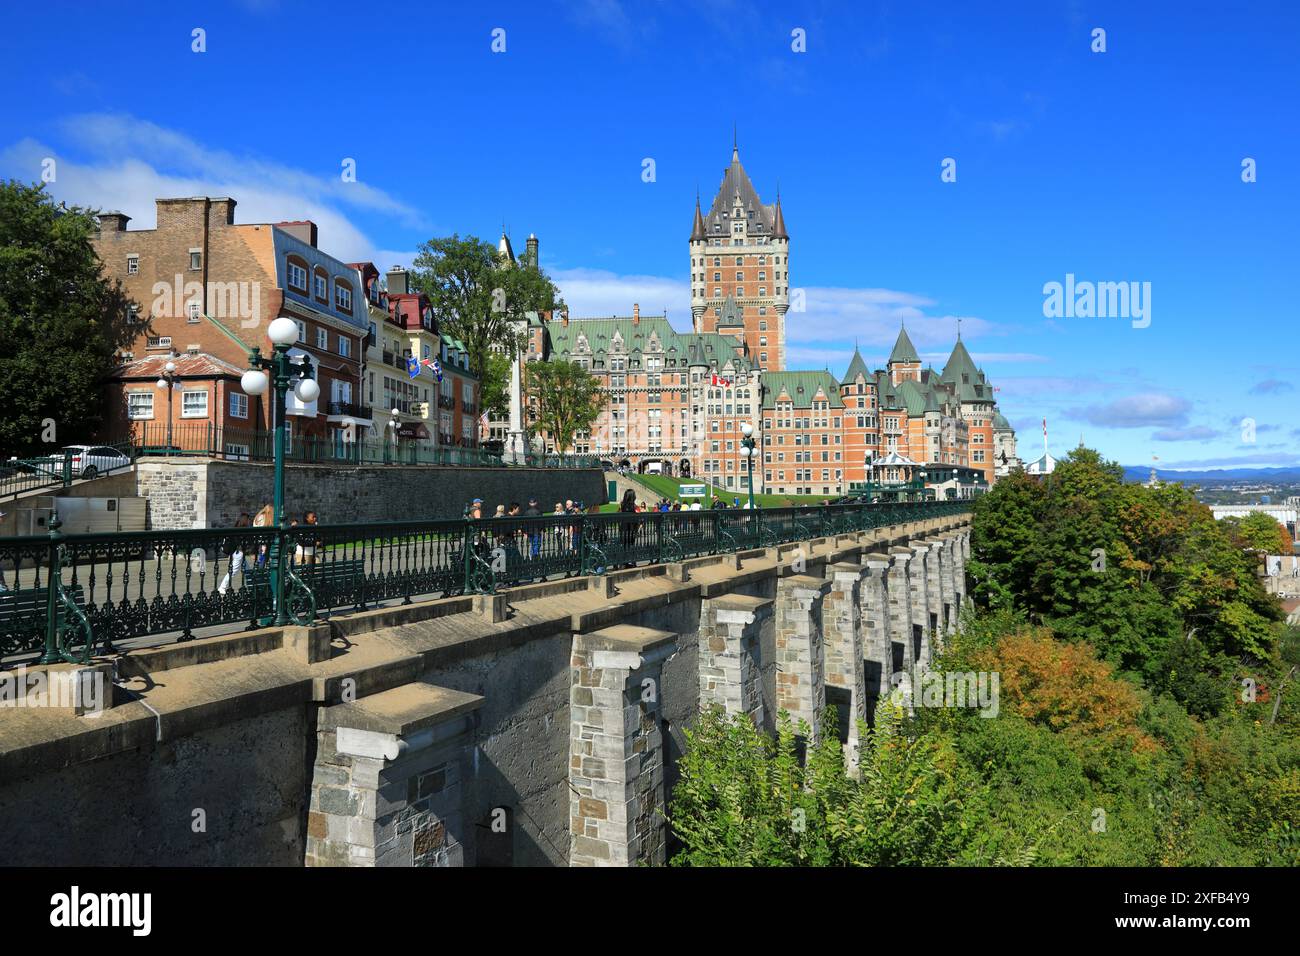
(1065, 688)
(61, 323)
(477, 297)
(496, 386)
(568, 399)
(1259, 531)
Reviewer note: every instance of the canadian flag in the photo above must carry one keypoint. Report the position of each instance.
(721, 380)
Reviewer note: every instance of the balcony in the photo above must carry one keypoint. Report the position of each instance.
(469, 408)
(350, 410)
(447, 402)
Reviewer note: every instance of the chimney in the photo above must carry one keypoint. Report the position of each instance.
(113, 221)
(530, 249)
(564, 320)
(636, 314)
(223, 212)
(304, 230)
(397, 281)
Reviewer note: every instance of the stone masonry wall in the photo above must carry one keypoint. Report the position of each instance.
(198, 493)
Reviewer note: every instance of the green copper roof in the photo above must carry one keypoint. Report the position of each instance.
(904, 351)
(731, 314)
(651, 336)
(960, 363)
(856, 367)
(802, 388)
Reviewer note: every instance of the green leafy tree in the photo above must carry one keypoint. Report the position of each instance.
(477, 296)
(567, 399)
(1259, 531)
(496, 386)
(61, 323)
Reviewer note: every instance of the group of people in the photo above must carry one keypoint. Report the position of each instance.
(304, 552)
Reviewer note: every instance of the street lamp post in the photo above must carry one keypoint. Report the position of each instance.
(285, 372)
(169, 380)
(394, 423)
(749, 452)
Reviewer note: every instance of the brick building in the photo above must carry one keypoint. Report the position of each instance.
(677, 400)
(205, 287)
(740, 262)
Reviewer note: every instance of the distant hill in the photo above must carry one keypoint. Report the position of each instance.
(1143, 472)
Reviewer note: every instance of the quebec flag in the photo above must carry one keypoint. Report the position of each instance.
(413, 367)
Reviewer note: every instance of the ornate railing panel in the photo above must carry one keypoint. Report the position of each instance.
(132, 585)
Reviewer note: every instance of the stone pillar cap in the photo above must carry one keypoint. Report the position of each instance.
(400, 711)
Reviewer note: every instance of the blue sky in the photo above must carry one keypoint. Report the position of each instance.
(1117, 166)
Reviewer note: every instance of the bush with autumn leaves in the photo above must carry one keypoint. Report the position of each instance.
(1146, 716)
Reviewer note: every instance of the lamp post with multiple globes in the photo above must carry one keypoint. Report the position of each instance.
(169, 380)
(285, 372)
(749, 452)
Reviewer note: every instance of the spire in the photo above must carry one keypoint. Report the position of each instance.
(504, 249)
(735, 149)
(904, 350)
(856, 366)
(697, 230)
(778, 221)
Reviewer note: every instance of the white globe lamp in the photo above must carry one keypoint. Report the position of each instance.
(253, 382)
(283, 331)
(307, 390)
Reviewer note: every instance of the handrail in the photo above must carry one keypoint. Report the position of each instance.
(105, 587)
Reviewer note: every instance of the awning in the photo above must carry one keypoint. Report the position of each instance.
(412, 430)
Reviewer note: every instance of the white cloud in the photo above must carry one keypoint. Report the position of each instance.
(118, 162)
(1136, 411)
(590, 293)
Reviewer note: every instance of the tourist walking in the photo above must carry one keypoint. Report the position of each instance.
(534, 529)
(233, 546)
(627, 532)
(310, 546)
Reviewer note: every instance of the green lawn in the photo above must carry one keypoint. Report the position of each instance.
(665, 486)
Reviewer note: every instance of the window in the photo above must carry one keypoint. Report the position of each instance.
(342, 297)
(132, 265)
(238, 405)
(345, 346)
(322, 288)
(194, 404)
(133, 314)
(297, 277)
(322, 338)
(196, 260)
(236, 452)
(194, 313)
(302, 330)
(139, 405)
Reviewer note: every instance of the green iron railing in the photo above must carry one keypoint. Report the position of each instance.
(154, 439)
(64, 596)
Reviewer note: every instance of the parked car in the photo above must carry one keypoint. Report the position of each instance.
(89, 461)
